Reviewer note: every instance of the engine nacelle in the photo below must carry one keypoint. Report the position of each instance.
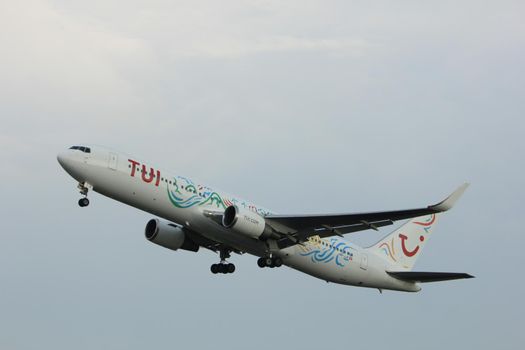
(246, 222)
(169, 236)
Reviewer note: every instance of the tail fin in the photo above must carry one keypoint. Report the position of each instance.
(403, 246)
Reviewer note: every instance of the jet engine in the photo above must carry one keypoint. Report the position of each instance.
(246, 222)
(169, 236)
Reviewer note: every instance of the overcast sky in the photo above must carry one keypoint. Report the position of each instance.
(299, 106)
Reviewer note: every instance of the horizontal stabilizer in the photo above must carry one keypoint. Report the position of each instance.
(423, 277)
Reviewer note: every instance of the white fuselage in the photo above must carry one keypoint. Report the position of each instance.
(180, 200)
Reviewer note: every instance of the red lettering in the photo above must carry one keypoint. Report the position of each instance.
(145, 177)
(158, 178)
(134, 164)
(151, 174)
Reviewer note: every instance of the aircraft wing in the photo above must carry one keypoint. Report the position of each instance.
(338, 224)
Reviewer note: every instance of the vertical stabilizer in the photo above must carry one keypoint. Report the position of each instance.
(403, 246)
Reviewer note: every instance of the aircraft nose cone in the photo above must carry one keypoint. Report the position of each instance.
(70, 162)
(63, 159)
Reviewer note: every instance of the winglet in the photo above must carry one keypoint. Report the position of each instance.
(450, 200)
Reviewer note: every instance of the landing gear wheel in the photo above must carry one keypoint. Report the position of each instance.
(261, 262)
(231, 268)
(83, 202)
(270, 262)
(223, 268)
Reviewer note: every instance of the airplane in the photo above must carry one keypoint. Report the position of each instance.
(191, 215)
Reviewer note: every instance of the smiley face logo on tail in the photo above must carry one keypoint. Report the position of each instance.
(409, 253)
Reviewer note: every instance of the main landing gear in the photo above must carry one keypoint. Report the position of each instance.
(84, 188)
(223, 267)
(270, 262)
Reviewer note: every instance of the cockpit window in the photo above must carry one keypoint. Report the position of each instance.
(81, 148)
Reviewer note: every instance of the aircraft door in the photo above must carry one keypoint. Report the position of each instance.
(113, 161)
(364, 261)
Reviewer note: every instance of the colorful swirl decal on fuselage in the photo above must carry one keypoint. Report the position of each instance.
(334, 250)
(193, 196)
(183, 193)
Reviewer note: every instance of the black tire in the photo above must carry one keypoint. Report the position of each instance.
(231, 268)
(214, 268)
(277, 262)
(83, 202)
(268, 262)
(261, 262)
(224, 268)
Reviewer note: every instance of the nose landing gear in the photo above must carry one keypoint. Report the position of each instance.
(84, 188)
(223, 267)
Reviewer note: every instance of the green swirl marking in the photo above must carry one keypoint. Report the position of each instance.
(179, 200)
(191, 188)
(214, 199)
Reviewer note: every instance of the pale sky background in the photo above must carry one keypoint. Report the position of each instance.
(300, 106)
